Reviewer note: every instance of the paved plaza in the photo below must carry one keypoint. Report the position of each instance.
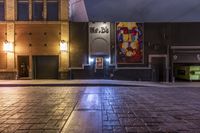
(100, 109)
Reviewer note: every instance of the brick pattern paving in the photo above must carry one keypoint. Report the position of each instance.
(151, 110)
(124, 109)
(36, 110)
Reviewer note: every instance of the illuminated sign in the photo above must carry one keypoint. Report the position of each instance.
(99, 38)
(100, 30)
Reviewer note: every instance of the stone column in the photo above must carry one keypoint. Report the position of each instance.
(10, 38)
(64, 10)
(10, 18)
(45, 10)
(64, 56)
(30, 9)
(10, 10)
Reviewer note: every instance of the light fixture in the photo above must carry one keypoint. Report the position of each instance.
(8, 46)
(91, 60)
(108, 59)
(104, 24)
(63, 46)
(198, 57)
(175, 57)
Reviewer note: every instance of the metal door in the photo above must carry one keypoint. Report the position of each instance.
(45, 67)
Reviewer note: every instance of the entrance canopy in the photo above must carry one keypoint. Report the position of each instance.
(135, 10)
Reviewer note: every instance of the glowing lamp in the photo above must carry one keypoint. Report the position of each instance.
(8, 46)
(63, 46)
(91, 60)
(108, 59)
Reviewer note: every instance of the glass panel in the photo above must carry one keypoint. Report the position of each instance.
(52, 10)
(23, 10)
(2, 12)
(37, 10)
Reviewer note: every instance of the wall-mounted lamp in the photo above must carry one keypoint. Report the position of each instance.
(175, 57)
(63, 46)
(91, 60)
(108, 59)
(198, 57)
(8, 46)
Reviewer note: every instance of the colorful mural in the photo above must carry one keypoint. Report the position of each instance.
(129, 42)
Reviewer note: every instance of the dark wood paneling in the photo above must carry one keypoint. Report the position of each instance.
(78, 44)
(186, 33)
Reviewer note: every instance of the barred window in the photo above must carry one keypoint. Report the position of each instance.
(2, 10)
(23, 10)
(52, 10)
(38, 9)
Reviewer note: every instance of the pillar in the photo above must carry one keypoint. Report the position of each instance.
(10, 18)
(64, 56)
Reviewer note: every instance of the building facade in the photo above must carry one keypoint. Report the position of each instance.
(35, 31)
(37, 41)
(169, 51)
(170, 45)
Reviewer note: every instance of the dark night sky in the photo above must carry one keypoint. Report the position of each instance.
(143, 10)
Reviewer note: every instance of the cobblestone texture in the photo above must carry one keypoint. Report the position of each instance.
(36, 109)
(151, 110)
(124, 109)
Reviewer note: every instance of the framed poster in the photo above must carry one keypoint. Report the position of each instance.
(129, 42)
(99, 63)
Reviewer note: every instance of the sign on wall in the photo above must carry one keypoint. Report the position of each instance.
(99, 38)
(129, 42)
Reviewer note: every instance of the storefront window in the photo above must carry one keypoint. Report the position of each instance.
(52, 10)
(23, 10)
(2, 12)
(38, 9)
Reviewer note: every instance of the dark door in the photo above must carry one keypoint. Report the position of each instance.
(45, 67)
(158, 69)
(23, 66)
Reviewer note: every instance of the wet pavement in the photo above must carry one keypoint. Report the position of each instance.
(99, 109)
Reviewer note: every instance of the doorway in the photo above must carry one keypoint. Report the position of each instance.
(23, 66)
(158, 69)
(45, 67)
(101, 68)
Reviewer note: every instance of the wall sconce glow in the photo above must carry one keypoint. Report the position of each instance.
(91, 60)
(108, 59)
(63, 46)
(8, 46)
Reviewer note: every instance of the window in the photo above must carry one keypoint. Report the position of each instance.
(23, 10)
(2, 10)
(52, 10)
(38, 9)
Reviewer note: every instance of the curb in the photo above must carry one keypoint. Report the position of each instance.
(68, 85)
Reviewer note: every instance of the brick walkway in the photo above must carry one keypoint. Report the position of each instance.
(100, 109)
